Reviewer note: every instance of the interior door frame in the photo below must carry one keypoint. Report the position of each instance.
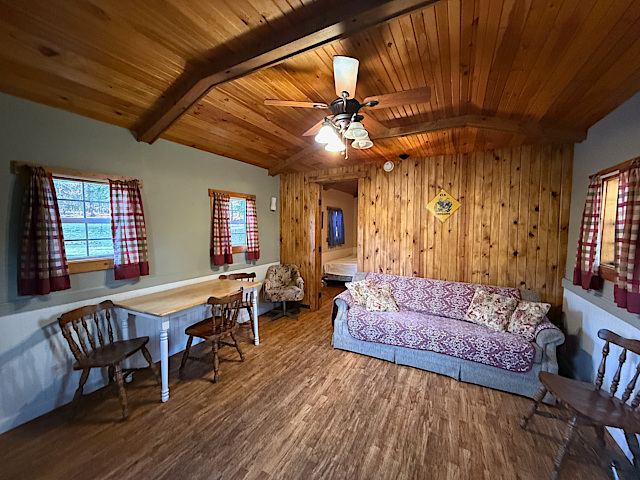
(333, 178)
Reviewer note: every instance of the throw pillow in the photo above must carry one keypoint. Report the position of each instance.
(380, 298)
(526, 317)
(491, 309)
(359, 290)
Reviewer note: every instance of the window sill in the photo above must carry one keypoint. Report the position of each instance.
(239, 249)
(93, 265)
(596, 298)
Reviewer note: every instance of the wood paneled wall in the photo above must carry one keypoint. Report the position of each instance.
(511, 229)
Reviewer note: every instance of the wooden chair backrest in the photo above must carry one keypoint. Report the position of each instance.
(229, 308)
(246, 277)
(92, 328)
(626, 345)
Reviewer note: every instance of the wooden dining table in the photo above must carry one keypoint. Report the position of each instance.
(162, 305)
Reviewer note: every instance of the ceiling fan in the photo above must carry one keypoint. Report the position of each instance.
(345, 120)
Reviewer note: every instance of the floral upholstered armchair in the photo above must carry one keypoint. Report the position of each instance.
(283, 283)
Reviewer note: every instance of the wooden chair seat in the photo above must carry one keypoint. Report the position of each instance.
(111, 354)
(89, 333)
(215, 329)
(589, 405)
(595, 404)
(208, 327)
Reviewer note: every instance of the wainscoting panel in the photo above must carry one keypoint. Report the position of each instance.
(510, 230)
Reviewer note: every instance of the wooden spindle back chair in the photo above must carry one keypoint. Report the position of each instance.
(89, 333)
(591, 405)
(247, 301)
(223, 323)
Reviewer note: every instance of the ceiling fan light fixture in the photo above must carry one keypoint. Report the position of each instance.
(355, 130)
(362, 144)
(326, 134)
(345, 74)
(335, 146)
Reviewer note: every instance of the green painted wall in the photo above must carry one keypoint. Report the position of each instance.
(176, 180)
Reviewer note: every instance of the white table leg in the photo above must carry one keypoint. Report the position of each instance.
(164, 358)
(255, 316)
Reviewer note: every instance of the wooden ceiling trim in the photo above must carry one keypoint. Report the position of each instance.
(350, 18)
(527, 129)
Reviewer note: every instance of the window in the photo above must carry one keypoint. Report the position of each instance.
(335, 237)
(85, 212)
(238, 224)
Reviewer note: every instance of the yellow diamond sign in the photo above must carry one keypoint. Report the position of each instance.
(443, 205)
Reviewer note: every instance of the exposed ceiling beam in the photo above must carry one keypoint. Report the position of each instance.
(282, 166)
(322, 27)
(529, 129)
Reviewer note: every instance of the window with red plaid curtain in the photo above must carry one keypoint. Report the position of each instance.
(253, 242)
(43, 263)
(627, 289)
(221, 252)
(587, 268)
(130, 254)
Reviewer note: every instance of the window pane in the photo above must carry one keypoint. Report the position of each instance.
(98, 209)
(238, 221)
(71, 209)
(96, 192)
(609, 221)
(68, 189)
(99, 230)
(100, 248)
(74, 231)
(75, 249)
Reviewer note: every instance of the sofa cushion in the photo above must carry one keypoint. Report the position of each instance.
(359, 290)
(491, 309)
(380, 299)
(438, 334)
(437, 297)
(526, 318)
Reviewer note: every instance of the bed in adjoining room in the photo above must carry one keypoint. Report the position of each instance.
(340, 269)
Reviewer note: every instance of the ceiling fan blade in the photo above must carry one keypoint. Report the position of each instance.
(313, 130)
(345, 74)
(372, 126)
(293, 103)
(406, 97)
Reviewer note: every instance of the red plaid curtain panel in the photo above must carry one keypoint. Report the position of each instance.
(43, 262)
(627, 289)
(130, 254)
(587, 268)
(221, 252)
(253, 243)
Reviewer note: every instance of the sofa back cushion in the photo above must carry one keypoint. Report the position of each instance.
(436, 297)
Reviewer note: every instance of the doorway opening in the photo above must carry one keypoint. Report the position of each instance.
(338, 236)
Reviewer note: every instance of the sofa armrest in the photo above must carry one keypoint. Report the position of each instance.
(300, 283)
(340, 307)
(549, 337)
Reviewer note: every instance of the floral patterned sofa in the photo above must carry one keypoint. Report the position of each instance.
(429, 333)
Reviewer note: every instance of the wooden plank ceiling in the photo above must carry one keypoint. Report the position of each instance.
(564, 64)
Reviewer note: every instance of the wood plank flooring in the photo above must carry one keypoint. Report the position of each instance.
(298, 409)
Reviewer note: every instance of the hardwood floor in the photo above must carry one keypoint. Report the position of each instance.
(298, 409)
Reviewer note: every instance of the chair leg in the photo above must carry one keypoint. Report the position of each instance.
(632, 442)
(152, 366)
(600, 433)
(216, 360)
(121, 392)
(111, 373)
(537, 398)
(253, 333)
(185, 355)
(568, 438)
(237, 345)
(78, 394)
